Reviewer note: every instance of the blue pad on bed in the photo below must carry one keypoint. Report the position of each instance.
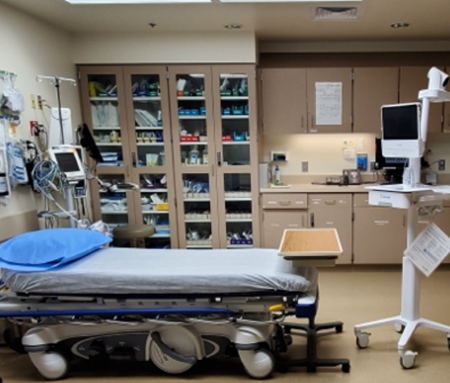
(46, 249)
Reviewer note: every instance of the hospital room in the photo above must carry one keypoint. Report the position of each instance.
(224, 191)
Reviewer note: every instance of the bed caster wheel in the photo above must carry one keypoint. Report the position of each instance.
(286, 329)
(408, 359)
(51, 365)
(346, 367)
(399, 328)
(339, 328)
(362, 339)
(311, 369)
(288, 340)
(259, 364)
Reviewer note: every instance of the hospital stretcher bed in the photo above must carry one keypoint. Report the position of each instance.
(173, 307)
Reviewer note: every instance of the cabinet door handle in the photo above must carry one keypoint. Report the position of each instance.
(312, 121)
(303, 220)
(219, 159)
(330, 202)
(302, 121)
(212, 169)
(312, 219)
(285, 203)
(133, 159)
(448, 120)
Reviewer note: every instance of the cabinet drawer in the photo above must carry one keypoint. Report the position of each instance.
(361, 200)
(284, 201)
(330, 200)
(275, 222)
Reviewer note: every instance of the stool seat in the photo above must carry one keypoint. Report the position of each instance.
(133, 231)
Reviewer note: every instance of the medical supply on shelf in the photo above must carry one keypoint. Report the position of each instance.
(12, 100)
(3, 179)
(205, 156)
(194, 155)
(277, 173)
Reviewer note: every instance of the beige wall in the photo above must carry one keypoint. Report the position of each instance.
(322, 151)
(31, 47)
(167, 48)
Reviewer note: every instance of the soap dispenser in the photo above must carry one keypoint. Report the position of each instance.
(277, 175)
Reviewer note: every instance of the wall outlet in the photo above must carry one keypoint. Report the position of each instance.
(33, 101)
(304, 166)
(39, 102)
(441, 165)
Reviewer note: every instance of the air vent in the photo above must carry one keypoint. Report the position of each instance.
(336, 13)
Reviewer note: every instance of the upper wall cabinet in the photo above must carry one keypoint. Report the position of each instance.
(329, 93)
(306, 100)
(284, 101)
(372, 88)
(412, 80)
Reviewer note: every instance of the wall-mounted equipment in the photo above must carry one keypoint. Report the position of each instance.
(279, 156)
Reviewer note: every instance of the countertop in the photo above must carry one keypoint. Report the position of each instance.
(312, 188)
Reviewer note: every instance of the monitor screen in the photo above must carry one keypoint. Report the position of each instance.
(88, 142)
(401, 122)
(67, 162)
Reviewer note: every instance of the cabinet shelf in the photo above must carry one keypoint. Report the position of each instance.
(197, 220)
(239, 220)
(198, 246)
(235, 142)
(239, 246)
(106, 128)
(238, 198)
(109, 144)
(114, 212)
(197, 199)
(155, 98)
(148, 128)
(104, 98)
(191, 98)
(150, 143)
(156, 235)
(231, 98)
(193, 143)
(145, 190)
(235, 117)
(155, 212)
(193, 117)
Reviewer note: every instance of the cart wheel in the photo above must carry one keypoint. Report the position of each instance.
(346, 367)
(288, 339)
(399, 328)
(339, 328)
(448, 343)
(407, 360)
(259, 364)
(51, 365)
(362, 339)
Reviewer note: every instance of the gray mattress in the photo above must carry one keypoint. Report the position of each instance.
(176, 271)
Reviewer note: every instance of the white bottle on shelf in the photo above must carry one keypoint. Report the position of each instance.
(277, 175)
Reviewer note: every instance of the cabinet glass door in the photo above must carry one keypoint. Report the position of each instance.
(151, 151)
(234, 123)
(193, 153)
(238, 215)
(236, 155)
(104, 111)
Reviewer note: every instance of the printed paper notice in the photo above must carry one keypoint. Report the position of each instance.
(328, 103)
(429, 249)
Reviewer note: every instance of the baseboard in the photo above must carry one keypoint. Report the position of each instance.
(17, 224)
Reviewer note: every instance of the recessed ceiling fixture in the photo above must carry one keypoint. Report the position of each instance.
(112, 2)
(233, 26)
(400, 25)
(153, 25)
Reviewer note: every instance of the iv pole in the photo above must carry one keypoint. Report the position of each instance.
(56, 81)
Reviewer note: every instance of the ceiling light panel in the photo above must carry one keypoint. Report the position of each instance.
(109, 2)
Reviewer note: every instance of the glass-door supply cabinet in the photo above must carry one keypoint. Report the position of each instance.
(187, 135)
(127, 110)
(214, 126)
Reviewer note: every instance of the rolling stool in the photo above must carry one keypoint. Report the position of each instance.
(136, 234)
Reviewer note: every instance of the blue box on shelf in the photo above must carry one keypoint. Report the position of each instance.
(238, 136)
(194, 112)
(181, 112)
(226, 111)
(203, 111)
(238, 110)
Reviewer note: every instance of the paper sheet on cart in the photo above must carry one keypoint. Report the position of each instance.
(429, 249)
